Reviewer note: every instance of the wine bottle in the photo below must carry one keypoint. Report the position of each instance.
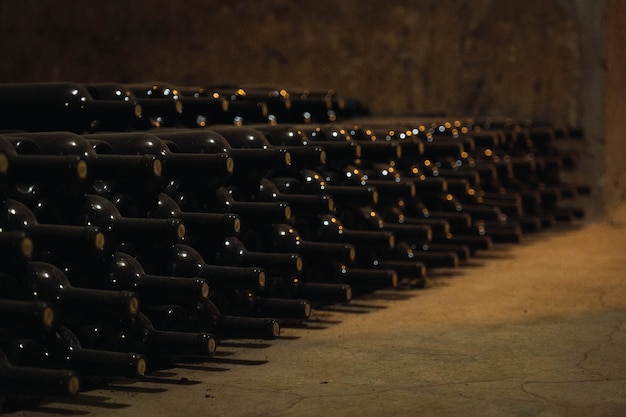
(370, 219)
(242, 108)
(431, 259)
(202, 109)
(254, 162)
(16, 249)
(61, 349)
(45, 282)
(248, 304)
(92, 210)
(24, 381)
(35, 315)
(205, 317)
(241, 137)
(184, 261)
(331, 229)
(312, 182)
(138, 334)
(103, 165)
(55, 106)
(162, 206)
(52, 239)
(215, 168)
(364, 278)
(285, 238)
(302, 203)
(22, 162)
(160, 103)
(122, 272)
(304, 153)
(234, 253)
(251, 211)
(340, 149)
(317, 292)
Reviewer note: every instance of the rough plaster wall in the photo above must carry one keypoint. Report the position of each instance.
(461, 57)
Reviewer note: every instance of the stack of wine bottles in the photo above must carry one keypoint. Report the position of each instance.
(142, 224)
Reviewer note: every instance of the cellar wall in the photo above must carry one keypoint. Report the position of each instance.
(541, 59)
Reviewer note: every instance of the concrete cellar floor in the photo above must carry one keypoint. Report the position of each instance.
(536, 329)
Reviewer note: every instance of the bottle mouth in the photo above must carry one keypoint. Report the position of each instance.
(261, 279)
(323, 157)
(299, 264)
(48, 317)
(352, 254)
(275, 329)
(211, 345)
(394, 279)
(141, 367)
(157, 168)
(138, 111)
(307, 310)
(133, 305)
(237, 225)
(179, 107)
(99, 241)
(358, 151)
(81, 169)
(73, 385)
(398, 152)
(331, 204)
(230, 165)
(27, 247)
(204, 290)
(4, 163)
(180, 231)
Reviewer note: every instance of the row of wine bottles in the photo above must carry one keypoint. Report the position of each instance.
(126, 246)
(112, 106)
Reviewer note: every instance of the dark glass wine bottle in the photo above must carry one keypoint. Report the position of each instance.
(213, 168)
(122, 272)
(61, 349)
(103, 165)
(248, 304)
(35, 315)
(312, 182)
(55, 106)
(45, 282)
(139, 335)
(22, 162)
(254, 162)
(24, 381)
(309, 204)
(205, 317)
(251, 212)
(330, 229)
(52, 239)
(242, 108)
(92, 210)
(234, 253)
(162, 206)
(185, 261)
(432, 259)
(285, 238)
(16, 249)
(161, 105)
